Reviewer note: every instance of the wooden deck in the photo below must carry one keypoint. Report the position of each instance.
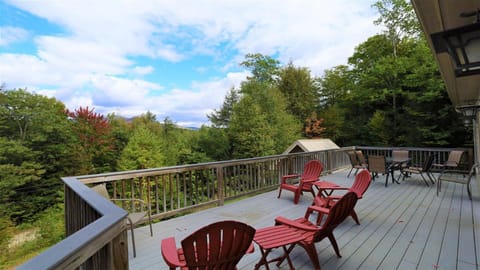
(403, 226)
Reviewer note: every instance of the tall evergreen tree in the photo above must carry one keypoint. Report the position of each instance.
(221, 118)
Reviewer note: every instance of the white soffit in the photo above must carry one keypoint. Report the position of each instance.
(441, 15)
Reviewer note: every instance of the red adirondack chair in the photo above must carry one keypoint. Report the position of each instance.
(360, 185)
(219, 245)
(313, 233)
(311, 173)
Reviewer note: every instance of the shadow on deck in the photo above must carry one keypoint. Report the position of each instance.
(403, 226)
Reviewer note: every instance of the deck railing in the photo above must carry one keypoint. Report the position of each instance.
(419, 155)
(96, 236)
(175, 190)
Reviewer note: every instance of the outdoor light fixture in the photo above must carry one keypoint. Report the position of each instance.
(469, 113)
(463, 45)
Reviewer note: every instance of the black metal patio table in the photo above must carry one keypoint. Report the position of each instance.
(396, 164)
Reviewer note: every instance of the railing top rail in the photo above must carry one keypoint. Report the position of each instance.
(67, 252)
(436, 149)
(106, 177)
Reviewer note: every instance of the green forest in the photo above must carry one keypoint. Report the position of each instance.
(389, 93)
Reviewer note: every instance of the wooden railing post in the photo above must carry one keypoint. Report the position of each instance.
(119, 252)
(221, 195)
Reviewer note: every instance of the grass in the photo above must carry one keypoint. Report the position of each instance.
(49, 230)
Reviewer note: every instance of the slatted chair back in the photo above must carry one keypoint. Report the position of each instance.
(355, 162)
(219, 245)
(312, 170)
(361, 157)
(427, 164)
(377, 164)
(311, 173)
(399, 155)
(361, 183)
(454, 158)
(353, 158)
(340, 211)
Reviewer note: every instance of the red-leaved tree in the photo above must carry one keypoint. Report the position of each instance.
(95, 148)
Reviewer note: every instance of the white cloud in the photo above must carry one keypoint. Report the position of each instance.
(20, 70)
(120, 92)
(9, 35)
(95, 62)
(168, 53)
(77, 55)
(194, 103)
(142, 70)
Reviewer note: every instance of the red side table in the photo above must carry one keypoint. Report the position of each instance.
(274, 237)
(326, 188)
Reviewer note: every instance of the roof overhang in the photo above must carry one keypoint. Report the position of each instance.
(440, 15)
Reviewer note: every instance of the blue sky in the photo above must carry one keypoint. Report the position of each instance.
(176, 59)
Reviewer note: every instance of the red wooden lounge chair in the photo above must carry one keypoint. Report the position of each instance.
(311, 173)
(219, 245)
(313, 233)
(360, 185)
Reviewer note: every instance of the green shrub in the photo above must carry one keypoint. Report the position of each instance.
(48, 228)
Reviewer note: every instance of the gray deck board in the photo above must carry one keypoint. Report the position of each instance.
(476, 224)
(391, 237)
(402, 226)
(405, 239)
(466, 250)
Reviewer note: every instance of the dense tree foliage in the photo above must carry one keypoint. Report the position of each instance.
(264, 68)
(391, 92)
(35, 143)
(95, 147)
(144, 150)
(300, 91)
(249, 130)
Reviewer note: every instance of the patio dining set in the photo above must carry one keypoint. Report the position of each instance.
(401, 162)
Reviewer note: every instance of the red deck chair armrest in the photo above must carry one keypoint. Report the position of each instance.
(320, 209)
(310, 180)
(293, 223)
(251, 248)
(169, 252)
(290, 176)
